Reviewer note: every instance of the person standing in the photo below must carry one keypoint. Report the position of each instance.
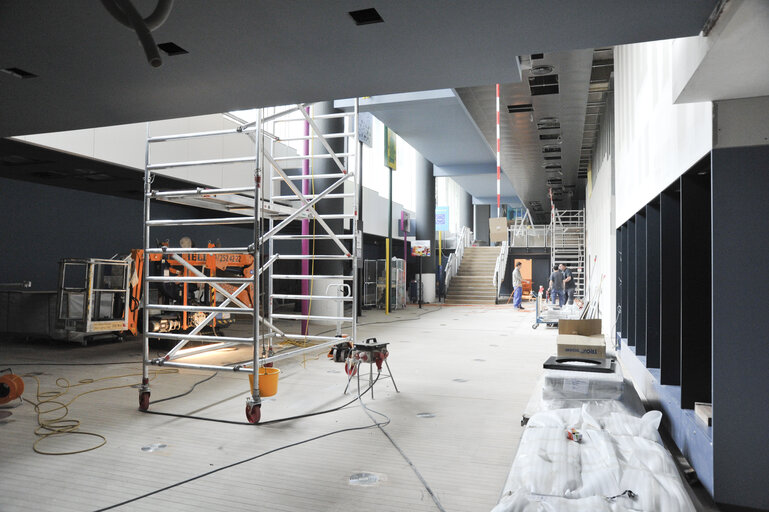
(568, 283)
(517, 286)
(556, 286)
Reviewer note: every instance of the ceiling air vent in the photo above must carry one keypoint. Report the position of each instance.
(520, 107)
(550, 136)
(172, 49)
(366, 16)
(554, 182)
(548, 123)
(557, 157)
(551, 148)
(18, 73)
(542, 69)
(537, 56)
(541, 85)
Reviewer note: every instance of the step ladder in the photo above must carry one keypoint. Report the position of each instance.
(567, 231)
(272, 205)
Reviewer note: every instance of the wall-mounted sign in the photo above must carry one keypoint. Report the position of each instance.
(365, 128)
(441, 218)
(420, 248)
(390, 158)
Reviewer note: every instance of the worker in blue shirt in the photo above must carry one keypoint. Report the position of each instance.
(556, 287)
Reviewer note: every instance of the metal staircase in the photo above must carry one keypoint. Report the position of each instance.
(567, 228)
(283, 191)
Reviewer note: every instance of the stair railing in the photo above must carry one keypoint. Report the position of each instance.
(500, 267)
(464, 239)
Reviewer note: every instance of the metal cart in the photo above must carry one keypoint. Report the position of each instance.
(547, 313)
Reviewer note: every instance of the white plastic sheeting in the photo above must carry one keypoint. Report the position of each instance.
(620, 451)
(561, 384)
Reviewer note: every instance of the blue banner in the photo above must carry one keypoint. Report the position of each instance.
(441, 218)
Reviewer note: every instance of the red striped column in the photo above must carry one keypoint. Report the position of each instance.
(498, 159)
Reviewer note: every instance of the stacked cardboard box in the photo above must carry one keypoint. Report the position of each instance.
(581, 339)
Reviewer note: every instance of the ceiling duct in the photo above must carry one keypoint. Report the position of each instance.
(549, 123)
(600, 85)
(542, 85)
(520, 107)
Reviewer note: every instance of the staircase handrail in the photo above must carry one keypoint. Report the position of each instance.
(464, 239)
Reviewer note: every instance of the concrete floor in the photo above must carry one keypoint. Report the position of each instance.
(472, 369)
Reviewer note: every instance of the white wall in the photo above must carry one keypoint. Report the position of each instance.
(125, 145)
(375, 214)
(600, 240)
(656, 141)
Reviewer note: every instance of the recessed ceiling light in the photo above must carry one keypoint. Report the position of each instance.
(542, 69)
(366, 16)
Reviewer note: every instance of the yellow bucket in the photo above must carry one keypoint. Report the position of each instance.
(268, 381)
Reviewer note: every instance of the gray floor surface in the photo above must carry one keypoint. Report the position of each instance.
(472, 369)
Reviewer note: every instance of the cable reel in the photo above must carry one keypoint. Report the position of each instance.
(11, 387)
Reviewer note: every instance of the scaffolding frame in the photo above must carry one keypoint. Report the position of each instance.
(255, 204)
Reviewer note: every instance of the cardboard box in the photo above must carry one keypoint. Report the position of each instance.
(581, 327)
(572, 345)
(498, 229)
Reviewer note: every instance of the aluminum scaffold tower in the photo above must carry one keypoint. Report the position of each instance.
(567, 228)
(273, 205)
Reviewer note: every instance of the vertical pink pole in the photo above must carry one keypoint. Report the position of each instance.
(498, 158)
(306, 227)
(405, 247)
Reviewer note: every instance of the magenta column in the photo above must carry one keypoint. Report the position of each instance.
(306, 227)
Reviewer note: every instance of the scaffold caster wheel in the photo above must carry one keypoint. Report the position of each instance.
(534, 326)
(144, 400)
(253, 413)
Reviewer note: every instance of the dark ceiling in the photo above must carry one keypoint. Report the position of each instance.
(88, 70)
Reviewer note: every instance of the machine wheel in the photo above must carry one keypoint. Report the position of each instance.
(253, 413)
(144, 400)
(534, 326)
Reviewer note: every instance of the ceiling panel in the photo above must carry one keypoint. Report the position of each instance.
(523, 151)
(90, 71)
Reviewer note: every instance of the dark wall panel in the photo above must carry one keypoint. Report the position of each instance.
(653, 284)
(740, 326)
(696, 346)
(670, 285)
(640, 286)
(631, 283)
(625, 279)
(42, 224)
(620, 275)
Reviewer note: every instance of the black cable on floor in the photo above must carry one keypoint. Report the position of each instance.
(262, 423)
(186, 392)
(202, 475)
(403, 454)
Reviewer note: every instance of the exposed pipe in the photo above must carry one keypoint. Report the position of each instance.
(153, 21)
(125, 13)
